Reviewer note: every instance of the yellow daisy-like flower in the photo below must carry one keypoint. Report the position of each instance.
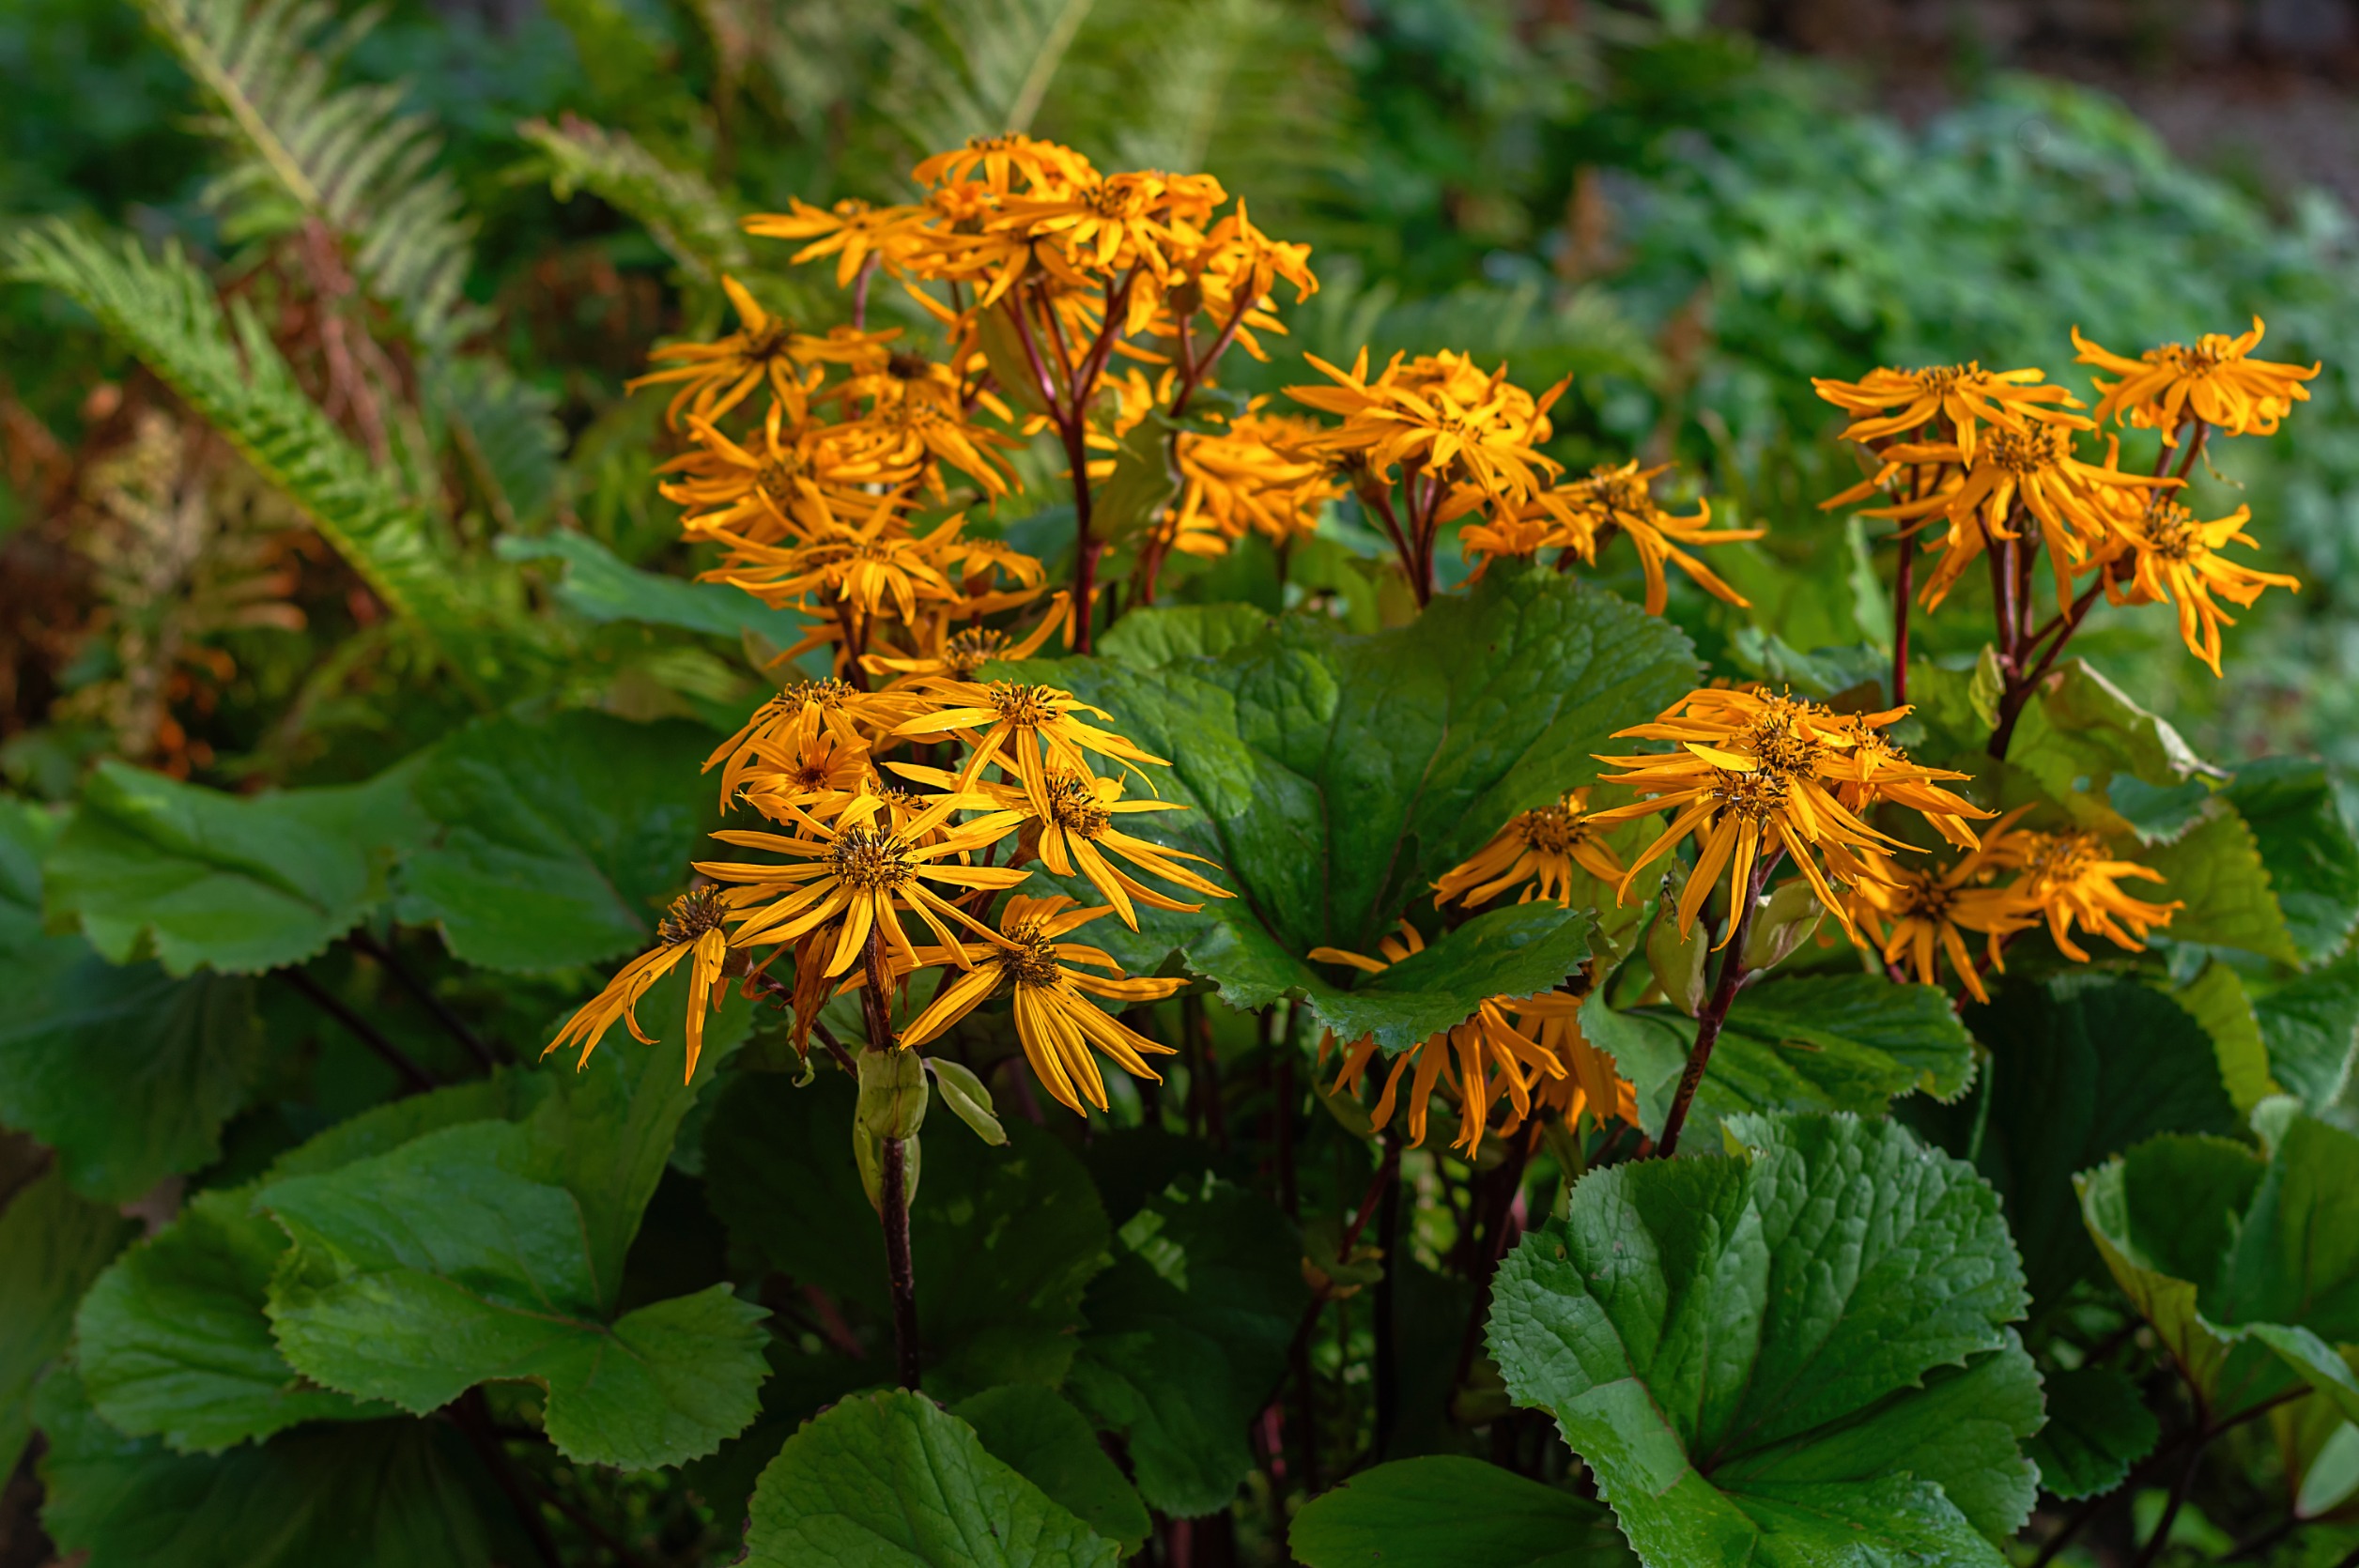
(1440, 414)
(855, 874)
(2214, 382)
(2072, 879)
(1886, 402)
(1911, 911)
(1027, 729)
(1590, 1083)
(1755, 776)
(1249, 478)
(1475, 1060)
(691, 928)
(2176, 559)
(875, 566)
(956, 656)
(786, 723)
(1622, 500)
(817, 770)
(1537, 850)
(714, 378)
(1002, 158)
(852, 231)
(2034, 467)
(1054, 1018)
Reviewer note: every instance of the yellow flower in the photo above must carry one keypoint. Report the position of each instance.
(786, 481)
(1054, 1020)
(1590, 1083)
(2175, 560)
(873, 566)
(1756, 777)
(918, 411)
(1910, 912)
(2033, 467)
(690, 929)
(1891, 401)
(784, 724)
(1622, 499)
(1439, 415)
(2214, 382)
(1001, 158)
(1249, 477)
(2070, 879)
(852, 231)
(714, 378)
(956, 656)
(1538, 850)
(817, 770)
(855, 874)
(1475, 1059)
(1024, 729)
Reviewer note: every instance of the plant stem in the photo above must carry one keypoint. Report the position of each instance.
(361, 1029)
(1904, 585)
(362, 941)
(1386, 1370)
(2153, 1548)
(1715, 1012)
(896, 1265)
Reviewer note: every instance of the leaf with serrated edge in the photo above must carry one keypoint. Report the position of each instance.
(1448, 1512)
(53, 1244)
(1037, 1433)
(1759, 1353)
(2097, 1428)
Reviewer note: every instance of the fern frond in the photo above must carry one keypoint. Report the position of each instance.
(348, 157)
(678, 208)
(975, 67)
(507, 432)
(224, 366)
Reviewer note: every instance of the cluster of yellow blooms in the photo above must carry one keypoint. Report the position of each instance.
(1989, 457)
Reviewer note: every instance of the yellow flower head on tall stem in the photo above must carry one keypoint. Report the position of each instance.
(1912, 911)
(2214, 381)
(1757, 776)
(1049, 980)
(691, 928)
(1475, 1060)
(1886, 402)
(852, 231)
(789, 721)
(853, 874)
(1252, 477)
(714, 377)
(1027, 729)
(957, 655)
(2174, 558)
(1441, 414)
(1537, 850)
(2034, 467)
(1621, 498)
(1001, 158)
(2072, 879)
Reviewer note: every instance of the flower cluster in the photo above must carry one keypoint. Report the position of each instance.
(859, 848)
(1987, 463)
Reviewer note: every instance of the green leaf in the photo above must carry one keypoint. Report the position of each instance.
(2311, 1026)
(173, 1339)
(227, 369)
(1795, 1354)
(1448, 1512)
(381, 1495)
(1335, 777)
(599, 586)
(2215, 871)
(2307, 845)
(1037, 1433)
(556, 843)
(1003, 1241)
(232, 882)
(1187, 1338)
(891, 1481)
(2081, 1067)
(1814, 1043)
(678, 208)
(128, 1073)
(2080, 732)
(53, 1244)
(1152, 637)
(2216, 999)
(2248, 1269)
(422, 1272)
(2097, 1428)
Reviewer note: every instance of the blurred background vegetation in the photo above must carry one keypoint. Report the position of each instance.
(1694, 207)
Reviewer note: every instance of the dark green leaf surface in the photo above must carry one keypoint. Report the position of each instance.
(599, 586)
(2081, 1069)
(127, 1073)
(233, 883)
(1003, 1240)
(2080, 733)
(53, 1244)
(381, 1495)
(892, 1481)
(1152, 637)
(2248, 1269)
(2311, 1025)
(441, 1265)
(1334, 776)
(2217, 872)
(1037, 1433)
(558, 842)
(171, 1341)
(2218, 1000)
(1794, 1356)
(2308, 847)
(1446, 1511)
(2097, 1428)
(1187, 1338)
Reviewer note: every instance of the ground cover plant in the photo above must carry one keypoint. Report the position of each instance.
(1091, 910)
